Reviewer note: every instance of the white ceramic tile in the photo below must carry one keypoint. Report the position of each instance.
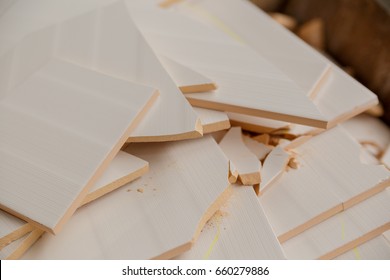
(343, 231)
(337, 95)
(186, 79)
(11, 228)
(249, 25)
(317, 190)
(25, 17)
(342, 97)
(248, 71)
(17, 248)
(386, 157)
(6, 5)
(260, 150)
(274, 166)
(365, 128)
(167, 3)
(374, 249)
(149, 16)
(386, 235)
(339, 151)
(248, 84)
(244, 161)
(211, 120)
(256, 124)
(240, 230)
(123, 169)
(104, 40)
(157, 216)
(49, 109)
(300, 130)
(12, 247)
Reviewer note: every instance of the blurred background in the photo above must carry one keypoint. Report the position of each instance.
(353, 33)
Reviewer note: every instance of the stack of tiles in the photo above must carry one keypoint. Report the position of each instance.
(116, 138)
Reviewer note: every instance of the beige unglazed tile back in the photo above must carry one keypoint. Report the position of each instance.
(67, 149)
(158, 216)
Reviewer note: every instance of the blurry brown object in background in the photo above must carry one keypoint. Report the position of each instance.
(358, 35)
(376, 111)
(285, 20)
(269, 5)
(313, 33)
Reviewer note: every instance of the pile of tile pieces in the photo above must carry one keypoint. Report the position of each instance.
(194, 129)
